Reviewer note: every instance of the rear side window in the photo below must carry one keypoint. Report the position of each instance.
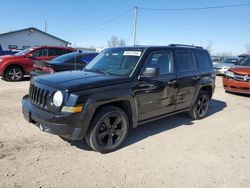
(55, 51)
(203, 60)
(185, 61)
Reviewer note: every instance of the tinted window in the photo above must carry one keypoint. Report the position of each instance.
(203, 60)
(185, 61)
(64, 58)
(161, 60)
(87, 58)
(40, 52)
(55, 52)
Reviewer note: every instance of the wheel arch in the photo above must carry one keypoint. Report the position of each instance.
(13, 64)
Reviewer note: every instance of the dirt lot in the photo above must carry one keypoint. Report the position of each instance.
(173, 152)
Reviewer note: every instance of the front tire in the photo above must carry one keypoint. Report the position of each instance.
(14, 73)
(200, 107)
(108, 130)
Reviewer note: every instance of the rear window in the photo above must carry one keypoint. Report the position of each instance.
(185, 61)
(203, 60)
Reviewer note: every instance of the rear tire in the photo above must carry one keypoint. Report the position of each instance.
(13, 73)
(108, 130)
(200, 107)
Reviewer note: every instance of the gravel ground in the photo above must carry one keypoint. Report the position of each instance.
(172, 152)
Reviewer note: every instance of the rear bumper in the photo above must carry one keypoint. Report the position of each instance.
(51, 123)
(236, 86)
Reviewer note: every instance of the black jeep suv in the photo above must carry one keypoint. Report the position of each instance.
(120, 89)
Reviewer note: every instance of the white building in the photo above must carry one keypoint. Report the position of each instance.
(29, 37)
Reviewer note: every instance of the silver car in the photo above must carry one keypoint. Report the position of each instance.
(221, 67)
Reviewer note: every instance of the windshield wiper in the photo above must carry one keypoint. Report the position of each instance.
(97, 71)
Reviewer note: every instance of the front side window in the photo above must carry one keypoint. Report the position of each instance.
(120, 62)
(185, 61)
(40, 52)
(161, 60)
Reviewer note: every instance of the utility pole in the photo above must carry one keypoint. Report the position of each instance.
(134, 25)
(45, 27)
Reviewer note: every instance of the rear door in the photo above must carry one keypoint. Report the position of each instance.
(187, 78)
(156, 96)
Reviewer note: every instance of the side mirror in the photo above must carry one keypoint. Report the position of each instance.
(29, 55)
(150, 72)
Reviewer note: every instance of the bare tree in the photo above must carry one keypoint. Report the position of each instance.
(114, 42)
(122, 42)
(207, 46)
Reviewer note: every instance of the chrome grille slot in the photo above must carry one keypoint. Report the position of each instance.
(38, 96)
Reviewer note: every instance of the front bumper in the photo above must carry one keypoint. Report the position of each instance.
(236, 86)
(52, 123)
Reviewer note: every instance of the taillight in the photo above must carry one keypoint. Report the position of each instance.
(48, 69)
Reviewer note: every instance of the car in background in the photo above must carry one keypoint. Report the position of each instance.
(221, 67)
(70, 61)
(14, 67)
(237, 79)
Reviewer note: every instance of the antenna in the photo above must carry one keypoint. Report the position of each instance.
(134, 25)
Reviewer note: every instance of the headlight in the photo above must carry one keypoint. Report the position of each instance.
(229, 74)
(1, 60)
(58, 98)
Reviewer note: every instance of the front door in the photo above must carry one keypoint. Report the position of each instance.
(156, 96)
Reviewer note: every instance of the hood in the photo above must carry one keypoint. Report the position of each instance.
(9, 57)
(78, 80)
(245, 70)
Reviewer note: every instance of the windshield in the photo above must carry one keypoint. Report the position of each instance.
(119, 62)
(229, 60)
(23, 52)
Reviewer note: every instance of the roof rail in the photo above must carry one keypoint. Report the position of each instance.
(184, 45)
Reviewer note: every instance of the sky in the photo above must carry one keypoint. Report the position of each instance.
(91, 23)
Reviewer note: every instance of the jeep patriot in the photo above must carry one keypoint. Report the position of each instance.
(120, 89)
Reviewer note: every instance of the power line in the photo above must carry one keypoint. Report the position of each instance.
(101, 24)
(195, 8)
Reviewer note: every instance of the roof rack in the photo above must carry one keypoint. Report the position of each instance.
(184, 45)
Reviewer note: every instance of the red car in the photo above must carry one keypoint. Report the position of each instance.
(14, 67)
(237, 79)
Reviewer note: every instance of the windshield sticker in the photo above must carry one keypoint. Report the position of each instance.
(132, 53)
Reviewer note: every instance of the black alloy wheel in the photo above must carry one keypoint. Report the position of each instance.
(200, 107)
(108, 130)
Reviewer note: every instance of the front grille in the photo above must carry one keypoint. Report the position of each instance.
(38, 96)
(240, 77)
